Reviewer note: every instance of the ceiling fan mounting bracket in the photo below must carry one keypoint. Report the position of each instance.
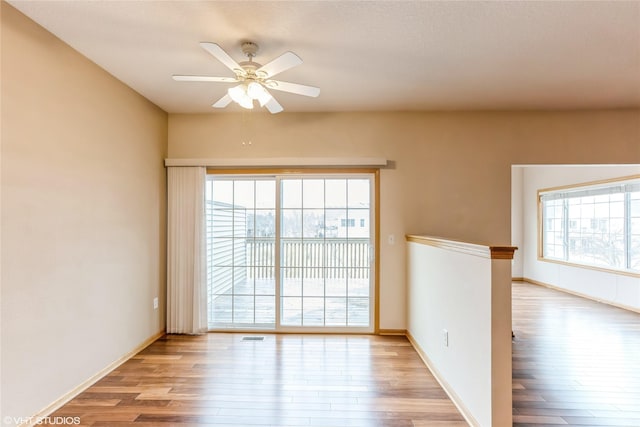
(250, 49)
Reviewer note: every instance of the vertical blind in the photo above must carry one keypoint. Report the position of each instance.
(186, 263)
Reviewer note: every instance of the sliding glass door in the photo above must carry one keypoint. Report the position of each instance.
(290, 252)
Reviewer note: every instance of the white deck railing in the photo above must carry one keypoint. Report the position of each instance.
(312, 258)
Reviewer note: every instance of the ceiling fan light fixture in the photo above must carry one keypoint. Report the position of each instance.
(239, 95)
(258, 92)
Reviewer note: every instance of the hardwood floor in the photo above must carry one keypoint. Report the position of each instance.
(284, 380)
(575, 361)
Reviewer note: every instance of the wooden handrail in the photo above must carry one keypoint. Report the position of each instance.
(485, 251)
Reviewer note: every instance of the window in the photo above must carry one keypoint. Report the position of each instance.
(593, 224)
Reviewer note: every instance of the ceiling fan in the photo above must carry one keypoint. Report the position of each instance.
(255, 79)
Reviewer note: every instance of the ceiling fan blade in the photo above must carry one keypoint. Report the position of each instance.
(221, 56)
(281, 63)
(183, 78)
(293, 88)
(222, 102)
(273, 106)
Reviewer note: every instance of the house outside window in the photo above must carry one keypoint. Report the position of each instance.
(348, 222)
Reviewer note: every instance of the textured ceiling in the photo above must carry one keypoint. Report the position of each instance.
(368, 55)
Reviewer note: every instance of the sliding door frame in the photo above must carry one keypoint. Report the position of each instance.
(321, 172)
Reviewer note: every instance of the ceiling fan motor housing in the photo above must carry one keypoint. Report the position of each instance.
(250, 49)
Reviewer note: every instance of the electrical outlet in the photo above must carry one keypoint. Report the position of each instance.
(445, 337)
(155, 303)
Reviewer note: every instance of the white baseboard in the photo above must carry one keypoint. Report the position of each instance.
(457, 401)
(62, 400)
(399, 332)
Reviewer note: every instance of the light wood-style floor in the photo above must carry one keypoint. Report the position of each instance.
(284, 380)
(575, 361)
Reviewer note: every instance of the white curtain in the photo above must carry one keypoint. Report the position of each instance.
(186, 262)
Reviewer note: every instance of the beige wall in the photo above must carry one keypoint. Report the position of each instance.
(451, 171)
(83, 217)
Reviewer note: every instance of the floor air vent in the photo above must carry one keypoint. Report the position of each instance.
(252, 338)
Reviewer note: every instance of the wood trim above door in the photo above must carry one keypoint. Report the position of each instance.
(281, 162)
